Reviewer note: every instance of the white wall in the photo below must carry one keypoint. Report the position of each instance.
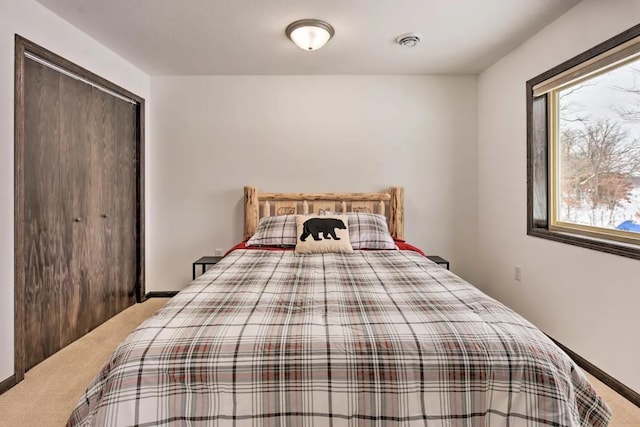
(587, 300)
(34, 22)
(214, 135)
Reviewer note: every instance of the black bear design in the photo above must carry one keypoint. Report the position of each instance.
(314, 226)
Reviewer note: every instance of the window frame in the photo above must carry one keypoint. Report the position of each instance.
(539, 173)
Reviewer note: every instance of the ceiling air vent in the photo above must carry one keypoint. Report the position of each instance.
(408, 40)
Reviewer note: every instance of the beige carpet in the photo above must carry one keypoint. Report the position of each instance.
(51, 389)
(625, 413)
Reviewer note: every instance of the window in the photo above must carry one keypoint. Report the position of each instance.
(583, 157)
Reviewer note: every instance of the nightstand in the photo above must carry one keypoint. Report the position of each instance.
(204, 262)
(439, 260)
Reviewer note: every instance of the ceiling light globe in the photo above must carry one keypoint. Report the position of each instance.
(310, 38)
(310, 34)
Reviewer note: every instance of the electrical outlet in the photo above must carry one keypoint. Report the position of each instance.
(219, 252)
(517, 273)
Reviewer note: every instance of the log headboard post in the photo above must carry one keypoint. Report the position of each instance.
(251, 211)
(396, 212)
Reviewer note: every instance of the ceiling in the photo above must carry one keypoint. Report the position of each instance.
(246, 37)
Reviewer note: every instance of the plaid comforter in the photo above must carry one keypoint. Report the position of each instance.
(370, 338)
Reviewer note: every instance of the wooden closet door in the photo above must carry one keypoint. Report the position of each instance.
(80, 209)
(104, 145)
(112, 209)
(126, 205)
(43, 217)
(75, 193)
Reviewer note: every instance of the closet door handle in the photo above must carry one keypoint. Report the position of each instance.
(77, 219)
(103, 216)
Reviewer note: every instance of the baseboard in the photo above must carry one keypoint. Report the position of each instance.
(160, 294)
(607, 379)
(7, 384)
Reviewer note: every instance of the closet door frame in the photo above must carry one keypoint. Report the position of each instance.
(23, 46)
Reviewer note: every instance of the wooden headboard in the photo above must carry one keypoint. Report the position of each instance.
(390, 204)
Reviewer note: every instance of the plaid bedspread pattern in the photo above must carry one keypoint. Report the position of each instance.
(370, 338)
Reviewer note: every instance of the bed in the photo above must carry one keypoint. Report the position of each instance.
(373, 337)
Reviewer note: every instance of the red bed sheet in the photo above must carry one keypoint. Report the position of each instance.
(402, 245)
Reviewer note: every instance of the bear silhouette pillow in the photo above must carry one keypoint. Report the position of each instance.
(323, 234)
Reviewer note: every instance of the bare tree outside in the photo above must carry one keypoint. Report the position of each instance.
(630, 111)
(599, 150)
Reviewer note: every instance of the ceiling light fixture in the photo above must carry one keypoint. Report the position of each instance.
(310, 34)
(408, 39)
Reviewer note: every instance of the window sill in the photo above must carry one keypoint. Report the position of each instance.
(627, 250)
